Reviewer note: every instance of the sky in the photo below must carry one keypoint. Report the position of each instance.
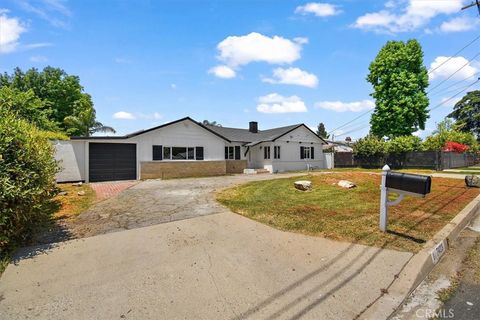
(276, 62)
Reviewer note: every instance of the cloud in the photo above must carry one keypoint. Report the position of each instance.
(449, 102)
(339, 106)
(223, 72)
(293, 76)
(319, 9)
(38, 59)
(438, 70)
(275, 103)
(459, 24)
(10, 31)
(406, 16)
(55, 12)
(123, 115)
(121, 60)
(236, 51)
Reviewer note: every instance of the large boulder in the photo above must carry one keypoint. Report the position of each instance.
(303, 185)
(346, 184)
(472, 181)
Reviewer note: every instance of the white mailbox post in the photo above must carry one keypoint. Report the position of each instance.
(403, 184)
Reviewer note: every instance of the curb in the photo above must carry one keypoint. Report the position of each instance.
(420, 265)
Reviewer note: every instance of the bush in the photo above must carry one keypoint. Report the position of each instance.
(370, 146)
(403, 144)
(27, 177)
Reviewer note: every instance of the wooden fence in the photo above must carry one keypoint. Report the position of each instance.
(435, 160)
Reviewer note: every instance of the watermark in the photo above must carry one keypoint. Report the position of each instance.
(426, 313)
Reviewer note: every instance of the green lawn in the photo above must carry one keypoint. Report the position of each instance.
(349, 215)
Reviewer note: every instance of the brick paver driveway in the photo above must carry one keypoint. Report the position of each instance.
(157, 201)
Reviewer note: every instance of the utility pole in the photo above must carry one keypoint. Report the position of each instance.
(473, 4)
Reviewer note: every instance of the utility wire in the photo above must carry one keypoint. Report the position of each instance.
(458, 82)
(347, 123)
(456, 53)
(451, 75)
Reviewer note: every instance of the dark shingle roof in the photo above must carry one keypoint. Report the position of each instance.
(244, 135)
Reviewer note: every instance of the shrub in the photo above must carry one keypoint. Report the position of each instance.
(27, 177)
(403, 144)
(370, 146)
(455, 147)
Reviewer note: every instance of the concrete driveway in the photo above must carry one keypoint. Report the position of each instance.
(152, 202)
(211, 266)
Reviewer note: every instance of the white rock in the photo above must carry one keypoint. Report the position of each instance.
(303, 185)
(346, 184)
(81, 193)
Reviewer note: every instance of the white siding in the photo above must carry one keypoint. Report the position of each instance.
(71, 160)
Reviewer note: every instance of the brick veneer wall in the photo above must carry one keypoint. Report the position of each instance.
(181, 169)
(236, 166)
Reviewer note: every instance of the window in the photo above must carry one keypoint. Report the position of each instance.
(306, 153)
(276, 152)
(157, 152)
(181, 153)
(266, 152)
(232, 153)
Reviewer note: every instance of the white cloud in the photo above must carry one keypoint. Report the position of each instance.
(319, 9)
(459, 24)
(38, 59)
(301, 40)
(173, 86)
(449, 102)
(10, 31)
(121, 60)
(438, 71)
(339, 106)
(55, 12)
(293, 76)
(275, 103)
(406, 15)
(235, 51)
(222, 71)
(123, 115)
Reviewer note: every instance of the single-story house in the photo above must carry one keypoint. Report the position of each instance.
(186, 147)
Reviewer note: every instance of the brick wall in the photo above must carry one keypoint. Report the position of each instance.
(236, 166)
(181, 169)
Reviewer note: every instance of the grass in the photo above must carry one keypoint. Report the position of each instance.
(349, 215)
(61, 207)
(71, 204)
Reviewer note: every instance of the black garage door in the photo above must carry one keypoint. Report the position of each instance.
(112, 161)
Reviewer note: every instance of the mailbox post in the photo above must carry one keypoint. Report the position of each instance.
(403, 184)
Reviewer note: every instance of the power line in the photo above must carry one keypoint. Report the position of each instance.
(454, 84)
(456, 53)
(451, 75)
(445, 101)
(347, 123)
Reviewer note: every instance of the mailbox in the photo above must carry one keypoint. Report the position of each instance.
(411, 183)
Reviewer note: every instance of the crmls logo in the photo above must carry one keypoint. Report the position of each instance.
(435, 314)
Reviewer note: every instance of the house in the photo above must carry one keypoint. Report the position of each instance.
(185, 148)
(339, 146)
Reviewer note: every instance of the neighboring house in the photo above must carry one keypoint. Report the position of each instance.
(339, 146)
(187, 148)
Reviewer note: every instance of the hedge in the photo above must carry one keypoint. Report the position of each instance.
(27, 177)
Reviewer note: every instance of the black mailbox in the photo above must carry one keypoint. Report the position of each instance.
(413, 183)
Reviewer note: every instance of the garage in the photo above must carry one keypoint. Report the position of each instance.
(112, 161)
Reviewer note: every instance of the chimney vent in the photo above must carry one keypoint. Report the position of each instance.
(253, 127)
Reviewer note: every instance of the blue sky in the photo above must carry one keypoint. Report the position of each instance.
(276, 62)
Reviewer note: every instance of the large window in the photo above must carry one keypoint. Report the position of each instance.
(276, 152)
(232, 153)
(266, 152)
(182, 153)
(306, 153)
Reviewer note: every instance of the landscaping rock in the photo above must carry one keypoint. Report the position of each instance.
(472, 181)
(346, 184)
(81, 193)
(62, 193)
(77, 184)
(303, 185)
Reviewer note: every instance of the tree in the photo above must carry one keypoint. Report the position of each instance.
(211, 123)
(445, 133)
(321, 131)
(466, 113)
(84, 123)
(399, 80)
(62, 94)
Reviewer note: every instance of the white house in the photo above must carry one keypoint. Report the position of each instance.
(187, 148)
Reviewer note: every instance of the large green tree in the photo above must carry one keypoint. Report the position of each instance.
(62, 94)
(84, 122)
(321, 131)
(399, 80)
(466, 113)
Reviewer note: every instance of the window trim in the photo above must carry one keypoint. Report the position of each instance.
(266, 153)
(169, 150)
(276, 152)
(307, 152)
